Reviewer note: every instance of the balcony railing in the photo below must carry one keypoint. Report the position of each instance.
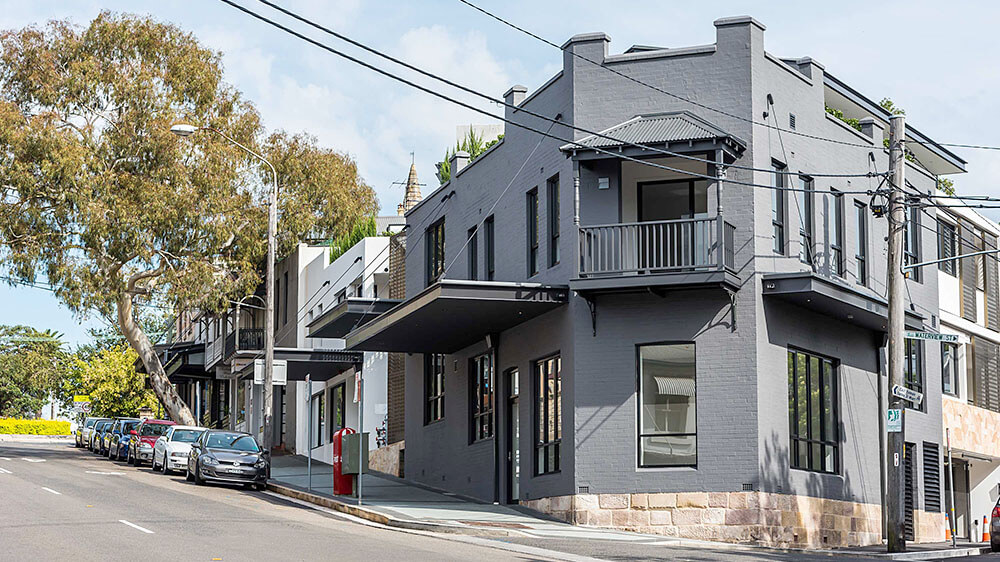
(671, 246)
(250, 338)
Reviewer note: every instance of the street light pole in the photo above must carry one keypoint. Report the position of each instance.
(183, 130)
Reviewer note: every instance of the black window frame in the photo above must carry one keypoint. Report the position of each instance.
(552, 192)
(434, 383)
(473, 253)
(482, 398)
(861, 249)
(337, 402)
(547, 451)
(951, 389)
(915, 380)
(284, 302)
(531, 224)
(826, 437)
(434, 241)
(837, 245)
(947, 247)
(778, 209)
(807, 228)
(489, 246)
(319, 439)
(639, 402)
(911, 239)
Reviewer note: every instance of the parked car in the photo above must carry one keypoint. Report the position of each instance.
(121, 433)
(995, 528)
(84, 430)
(109, 434)
(228, 456)
(142, 439)
(171, 450)
(97, 434)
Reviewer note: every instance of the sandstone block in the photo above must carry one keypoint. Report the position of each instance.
(640, 501)
(613, 501)
(687, 516)
(585, 501)
(660, 517)
(737, 500)
(692, 499)
(743, 517)
(718, 499)
(662, 500)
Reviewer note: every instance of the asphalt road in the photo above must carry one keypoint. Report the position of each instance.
(62, 503)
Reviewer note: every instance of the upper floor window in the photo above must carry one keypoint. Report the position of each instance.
(778, 209)
(837, 234)
(946, 247)
(813, 412)
(667, 411)
(473, 253)
(284, 302)
(913, 368)
(433, 387)
(531, 217)
(434, 251)
(911, 240)
(861, 250)
(489, 237)
(553, 210)
(949, 368)
(980, 260)
(805, 204)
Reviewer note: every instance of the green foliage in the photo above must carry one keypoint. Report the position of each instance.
(32, 363)
(473, 144)
(840, 115)
(363, 228)
(110, 378)
(13, 426)
(946, 185)
(887, 105)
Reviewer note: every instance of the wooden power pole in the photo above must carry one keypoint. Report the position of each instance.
(895, 481)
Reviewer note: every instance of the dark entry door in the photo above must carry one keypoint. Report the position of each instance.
(513, 438)
(680, 242)
(910, 496)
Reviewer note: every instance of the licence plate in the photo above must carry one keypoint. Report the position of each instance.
(234, 470)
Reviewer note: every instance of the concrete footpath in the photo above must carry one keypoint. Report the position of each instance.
(397, 503)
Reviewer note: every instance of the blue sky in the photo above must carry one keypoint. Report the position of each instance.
(939, 74)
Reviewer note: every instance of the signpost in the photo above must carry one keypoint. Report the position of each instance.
(81, 404)
(280, 373)
(900, 391)
(932, 336)
(894, 420)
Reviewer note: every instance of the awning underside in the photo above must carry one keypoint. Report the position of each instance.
(451, 315)
(348, 315)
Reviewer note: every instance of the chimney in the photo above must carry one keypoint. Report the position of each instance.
(514, 96)
(457, 162)
(738, 33)
(871, 128)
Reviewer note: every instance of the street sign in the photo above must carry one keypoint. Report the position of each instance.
(931, 336)
(81, 398)
(357, 386)
(278, 377)
(901, 391)
(894, 420)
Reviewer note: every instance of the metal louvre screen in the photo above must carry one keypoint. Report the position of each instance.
(967, 270)
(932, 478)
(992, 284)
(910, 485)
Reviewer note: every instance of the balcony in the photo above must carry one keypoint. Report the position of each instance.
(249, 338)
(681, 252)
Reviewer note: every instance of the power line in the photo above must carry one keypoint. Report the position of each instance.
(956, 145)
(657, 88)
(482, 111)
(525, 110)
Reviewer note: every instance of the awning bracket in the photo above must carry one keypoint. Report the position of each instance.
(592, 305)
(732, 308)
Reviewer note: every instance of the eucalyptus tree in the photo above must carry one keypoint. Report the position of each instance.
(116, 212)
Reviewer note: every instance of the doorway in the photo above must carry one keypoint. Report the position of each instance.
(960, 473)
(513, 437)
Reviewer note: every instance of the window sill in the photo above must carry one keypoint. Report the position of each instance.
(433, 422)
(818, 472)
(678, 468)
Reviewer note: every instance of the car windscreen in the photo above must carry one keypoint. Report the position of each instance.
(232, 441)
(89, 423)
(101, 426)
(153, 429)
(186, 435)
(128, 426)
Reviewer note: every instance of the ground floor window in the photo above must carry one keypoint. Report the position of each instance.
(813, 412)
(241, 403)
(319, 418)
(913, 364)
(482, 397)
(548, 414)
(667, 412)
(433, 387)
(949, 368)
(338, 408)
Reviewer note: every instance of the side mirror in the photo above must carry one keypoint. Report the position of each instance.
(132, 432)
(266, 453)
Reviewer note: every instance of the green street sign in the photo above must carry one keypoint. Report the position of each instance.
(894, 420)
(931, 336)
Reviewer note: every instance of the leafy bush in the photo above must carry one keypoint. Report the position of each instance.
(14, 426)
(364, 228)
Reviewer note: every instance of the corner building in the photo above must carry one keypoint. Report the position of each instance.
(619, 343)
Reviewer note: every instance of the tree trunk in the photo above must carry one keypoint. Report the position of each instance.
(178, 410)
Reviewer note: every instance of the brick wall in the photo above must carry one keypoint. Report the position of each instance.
(397, 366)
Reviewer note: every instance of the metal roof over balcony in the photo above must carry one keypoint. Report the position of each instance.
(453, 314)
(658, 130)
(348, 315)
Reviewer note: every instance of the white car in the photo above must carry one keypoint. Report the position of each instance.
(171, 449)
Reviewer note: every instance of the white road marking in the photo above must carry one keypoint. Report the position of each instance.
(51, 490)
(5, 471)
(134, 526)
(6, 459)
(32, 460)
(104, 473)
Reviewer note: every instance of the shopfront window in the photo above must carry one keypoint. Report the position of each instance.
(667, 409)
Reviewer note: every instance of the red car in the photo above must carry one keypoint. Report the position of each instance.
(144, 436)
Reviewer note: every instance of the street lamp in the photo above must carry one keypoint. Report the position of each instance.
(185, 130)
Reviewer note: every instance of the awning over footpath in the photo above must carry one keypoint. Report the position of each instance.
(348, 315)
(453, 314)
(181, 361)
(837, 300)
(319, 364)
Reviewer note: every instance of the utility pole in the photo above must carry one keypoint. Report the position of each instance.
(895, 541)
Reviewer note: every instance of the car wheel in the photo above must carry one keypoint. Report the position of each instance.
(198, 480)
(187, 474)
(164, 467)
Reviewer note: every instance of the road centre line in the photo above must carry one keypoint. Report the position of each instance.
(5, 471)
(52, 491)
(32, 460)
(134, 526)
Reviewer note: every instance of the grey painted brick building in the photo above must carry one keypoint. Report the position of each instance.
(624, 337)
